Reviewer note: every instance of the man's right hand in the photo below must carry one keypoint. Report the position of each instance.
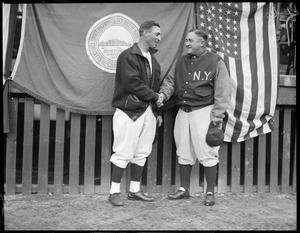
(160, 100)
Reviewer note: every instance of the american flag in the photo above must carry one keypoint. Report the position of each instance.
(243, 34)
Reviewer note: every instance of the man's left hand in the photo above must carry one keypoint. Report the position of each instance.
(218, 124)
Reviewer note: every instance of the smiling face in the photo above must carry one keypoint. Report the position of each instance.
(152, 37)
(195, 44)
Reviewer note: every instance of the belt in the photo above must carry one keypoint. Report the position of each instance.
(187, 108)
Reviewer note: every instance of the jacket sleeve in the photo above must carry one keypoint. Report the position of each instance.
(222, 93)
(167, 87)
(133, 83)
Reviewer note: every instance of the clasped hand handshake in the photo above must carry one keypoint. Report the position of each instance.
(160, 100)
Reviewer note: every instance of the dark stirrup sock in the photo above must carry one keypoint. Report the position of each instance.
(136, 172)
(185, 176)
(211, 175)
(116, 174)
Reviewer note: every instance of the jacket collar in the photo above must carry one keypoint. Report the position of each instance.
(136, 50)
(190, 56)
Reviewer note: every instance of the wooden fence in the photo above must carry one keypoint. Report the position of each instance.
(60, 152)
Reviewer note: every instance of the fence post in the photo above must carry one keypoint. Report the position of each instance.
(195, 178)
(261, 166)
(286, 150)
(274, 154)
(222, 171)
(248, 174)
(44, 149)
(294, 185)
(11, 148)
(106, 144)
(89, 162)
(235, 167)
(152, 170)
(27, 146)
(59, 151)
(167, 150)
(74, 154)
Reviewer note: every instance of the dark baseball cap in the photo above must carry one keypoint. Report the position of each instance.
(214, 136)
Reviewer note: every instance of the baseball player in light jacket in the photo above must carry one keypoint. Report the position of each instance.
(202, 87)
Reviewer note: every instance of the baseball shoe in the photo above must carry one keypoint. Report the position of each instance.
(179, 194)
(209, 199)
(115, 199)
(139, 196)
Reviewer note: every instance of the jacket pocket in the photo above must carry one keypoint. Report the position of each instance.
(203, 91)
(134, 103)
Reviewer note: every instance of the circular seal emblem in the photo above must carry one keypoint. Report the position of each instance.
(108, 37)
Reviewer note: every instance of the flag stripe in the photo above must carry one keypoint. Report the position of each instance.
(254, 67)
(273, 58)
(265, 69)
(231, 117)
(262, 69)
(241, 107)
(266, 59)
(253, 37)
(244, 94)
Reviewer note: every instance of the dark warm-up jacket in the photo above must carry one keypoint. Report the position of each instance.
(201, 81)
(134, 90)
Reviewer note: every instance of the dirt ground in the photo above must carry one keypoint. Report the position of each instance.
(255, 211)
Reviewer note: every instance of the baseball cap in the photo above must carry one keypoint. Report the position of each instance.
(214, 136)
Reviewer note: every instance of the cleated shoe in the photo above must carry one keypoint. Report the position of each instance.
(139, 196)
(115, 199)
(209, 199)
(179, 194)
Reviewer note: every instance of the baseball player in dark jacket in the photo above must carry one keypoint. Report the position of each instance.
(202, 87)
(137, 83)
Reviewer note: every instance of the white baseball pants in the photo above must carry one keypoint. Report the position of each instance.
(132, 139)
(189, 132)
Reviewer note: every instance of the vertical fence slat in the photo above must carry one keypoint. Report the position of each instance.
(248, 174)
(177, 174)
(167, 151)
(125, 182)
(261, 166)
(27, 146)
(89, 164)
(274, 153)
(286, 150)
(235, 167)
(11, 147)
(43, 149)
(152, 170)
(294, 185)
(106, 144)
(222, 172)
(204, 188)
(194, 180)
(74, 153)
(59, 151)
